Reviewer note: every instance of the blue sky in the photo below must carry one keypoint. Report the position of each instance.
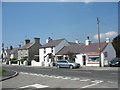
(69, 20)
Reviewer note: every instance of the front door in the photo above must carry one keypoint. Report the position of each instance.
(84, 60)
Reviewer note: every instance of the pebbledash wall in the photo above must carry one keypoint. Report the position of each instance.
(106, 55)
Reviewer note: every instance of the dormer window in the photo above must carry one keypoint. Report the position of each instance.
(44, 50)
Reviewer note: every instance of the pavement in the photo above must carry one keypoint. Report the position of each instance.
(9, 74)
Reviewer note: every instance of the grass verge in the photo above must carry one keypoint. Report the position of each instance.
(2, 71)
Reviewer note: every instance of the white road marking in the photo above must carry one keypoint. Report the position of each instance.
(96, 82)
(58, 77)
(75, 79)
(35, 86)
(85, 80)
(66, 78)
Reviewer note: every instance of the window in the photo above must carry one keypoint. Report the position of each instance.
(94, 58)
(52, 49)
(44, 50)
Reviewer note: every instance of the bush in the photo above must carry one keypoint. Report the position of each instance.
(13, 61)
(22, 60)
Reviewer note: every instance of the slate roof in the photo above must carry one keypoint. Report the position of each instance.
(26, 46)
(81, 48)
(93, 47)
(73, 48)
(52, 43)
(8, 51)
(14, 50)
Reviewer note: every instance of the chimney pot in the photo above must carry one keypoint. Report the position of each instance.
(48, 39)
(27, 41)
(87, 42)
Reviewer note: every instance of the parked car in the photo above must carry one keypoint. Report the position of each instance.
(67, 63)
(115, 62)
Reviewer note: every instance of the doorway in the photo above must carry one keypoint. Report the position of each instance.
(84, 60)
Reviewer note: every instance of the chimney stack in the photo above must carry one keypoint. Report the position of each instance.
(27, 41)
(76, 41)
(19, 46)
(37, 40)
(11, 47)
(48, 39)
(87, 42)
(107, 40)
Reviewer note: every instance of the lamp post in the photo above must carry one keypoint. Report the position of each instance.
(99, 46)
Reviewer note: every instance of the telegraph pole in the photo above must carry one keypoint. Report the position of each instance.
(2, 50)
(99, 46)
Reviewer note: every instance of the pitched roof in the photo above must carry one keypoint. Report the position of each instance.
(81, 48)
(8, 51)
(93, 47)
(26, 46)
(73, 48)
(52, 43)
(14, 50)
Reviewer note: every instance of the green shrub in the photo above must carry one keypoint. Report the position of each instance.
(22, 60)
(13, 59)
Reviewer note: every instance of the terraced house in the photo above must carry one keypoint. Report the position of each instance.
(30, 50)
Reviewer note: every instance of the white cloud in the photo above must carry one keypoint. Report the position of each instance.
(106, 35)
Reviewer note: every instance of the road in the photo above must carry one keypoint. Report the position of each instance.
(61, 78)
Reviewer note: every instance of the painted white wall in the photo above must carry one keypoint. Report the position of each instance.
(92, 64)
(11, 56)
(111, 53)
(79, 59)
(49, 50)
(42, 54)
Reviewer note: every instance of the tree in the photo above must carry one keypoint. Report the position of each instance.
(116, 45)
(71, 56)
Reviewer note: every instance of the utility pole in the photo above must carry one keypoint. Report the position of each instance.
(99, 46)
(2, 51)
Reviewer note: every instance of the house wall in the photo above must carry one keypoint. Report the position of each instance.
(22, 53)
(61, 45)
(42, 55)
(46, 60)
(79, 59)
(33, 50)
(14, 55)
(111, 53)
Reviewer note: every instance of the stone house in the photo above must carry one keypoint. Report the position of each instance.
(30, 50)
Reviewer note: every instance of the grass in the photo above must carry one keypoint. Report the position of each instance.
(2, 71)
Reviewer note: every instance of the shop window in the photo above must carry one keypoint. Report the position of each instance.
(94, 58)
